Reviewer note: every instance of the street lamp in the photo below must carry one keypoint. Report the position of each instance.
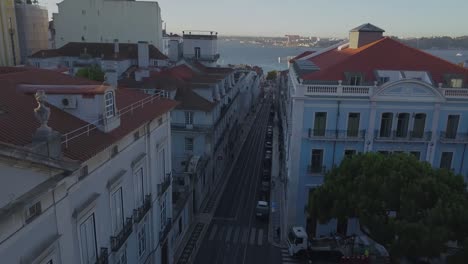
(12, 33)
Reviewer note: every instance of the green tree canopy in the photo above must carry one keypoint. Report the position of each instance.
(405, 204)
(271, 75)
(93, 73)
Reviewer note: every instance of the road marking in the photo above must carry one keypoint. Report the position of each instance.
(285, 250)
(236, 234)
(252, 236)
(221, 231)
(245, 235)
(260, 237)
(213, 232)
(228, 235)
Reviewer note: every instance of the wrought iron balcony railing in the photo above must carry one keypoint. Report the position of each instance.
(165, 231)
(162, 187)
(139, 213)
(356, 135)
(122, 236)
(453, 137)
(395, 135)
(202, 57)
(191, 127)
(316, 169)
(103, 256)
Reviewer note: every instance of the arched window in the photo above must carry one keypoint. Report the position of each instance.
(110, 105)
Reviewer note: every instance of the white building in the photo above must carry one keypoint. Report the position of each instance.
(96, 186)
(201, 46)
(33, 24)
(106, 20)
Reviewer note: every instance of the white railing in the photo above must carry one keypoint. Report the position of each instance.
(87, 129)
(455, 92)
(339, 90)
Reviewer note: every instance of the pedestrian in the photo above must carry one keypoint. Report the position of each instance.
(278, 232)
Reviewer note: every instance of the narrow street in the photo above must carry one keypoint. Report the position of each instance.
(235, 235)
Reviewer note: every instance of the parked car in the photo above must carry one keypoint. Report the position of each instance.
(262, 210)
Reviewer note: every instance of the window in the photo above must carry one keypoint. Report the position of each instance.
(446, 160)
(136, 135)
(456, 83)
(117, 211)
(349, 152)
(416, 154)
(383, 80)
(402, 125)
(386, 125)
(317, 161)
(353, 124)
(180, 225)
(122, 256)
(189, 118)
(109, 100)
(189, 144)
(155, 63)
(139, 187)
(320, 124)
(452, 126)
(142, 241)
(163, 211)
(418, 126)
(197, 52)
(67, 63)
(37, 64)
(88, 241)
(355, 80)
(33, 211)
(83, 12)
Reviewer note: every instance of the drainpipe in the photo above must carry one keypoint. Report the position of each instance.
(336, 131)
(463, 158)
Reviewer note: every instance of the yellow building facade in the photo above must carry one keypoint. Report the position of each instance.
(9, 44)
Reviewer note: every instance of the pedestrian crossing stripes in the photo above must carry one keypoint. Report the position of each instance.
(238, 235)
(286, 258)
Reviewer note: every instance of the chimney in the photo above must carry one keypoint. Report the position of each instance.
(116, 47)
(45, 141)
(143, 54)
(363, 35)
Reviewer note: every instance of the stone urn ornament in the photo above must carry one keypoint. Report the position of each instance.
(42, 112)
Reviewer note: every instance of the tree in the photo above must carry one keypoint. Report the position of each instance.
(429, 206)
(93, 73)
(271, 75)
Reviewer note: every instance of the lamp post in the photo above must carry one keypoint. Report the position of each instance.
(12, 33)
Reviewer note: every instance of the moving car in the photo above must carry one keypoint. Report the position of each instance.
(262, 210)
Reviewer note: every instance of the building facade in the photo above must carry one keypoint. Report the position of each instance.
(9, 44)
(33, 24)
(94, 183)
(201, 46)
(116, 59)
(371, 94)
(106, 20)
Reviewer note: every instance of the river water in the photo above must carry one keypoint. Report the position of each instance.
(234, 52)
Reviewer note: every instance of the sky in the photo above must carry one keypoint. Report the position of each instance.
(322, 18)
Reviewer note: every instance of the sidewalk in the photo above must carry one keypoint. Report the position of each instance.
(276, 194)
(186, 252)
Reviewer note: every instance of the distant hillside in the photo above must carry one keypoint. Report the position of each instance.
(437, 42)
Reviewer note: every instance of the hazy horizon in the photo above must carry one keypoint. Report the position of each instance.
(275, 18)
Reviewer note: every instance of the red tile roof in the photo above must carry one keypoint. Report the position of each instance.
(18, 124)
(190, 100)
(99, 50)
(64, 89)
(383, 54)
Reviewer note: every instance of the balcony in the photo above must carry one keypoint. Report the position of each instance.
(346, 135)
(162, 187)
(103, 256)
(202, 57)
(338, 90)
(165, 231)
(119, 240)
(191, 127)
(139, 213)
(316, 169)
(401, 136)
(450, 137)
